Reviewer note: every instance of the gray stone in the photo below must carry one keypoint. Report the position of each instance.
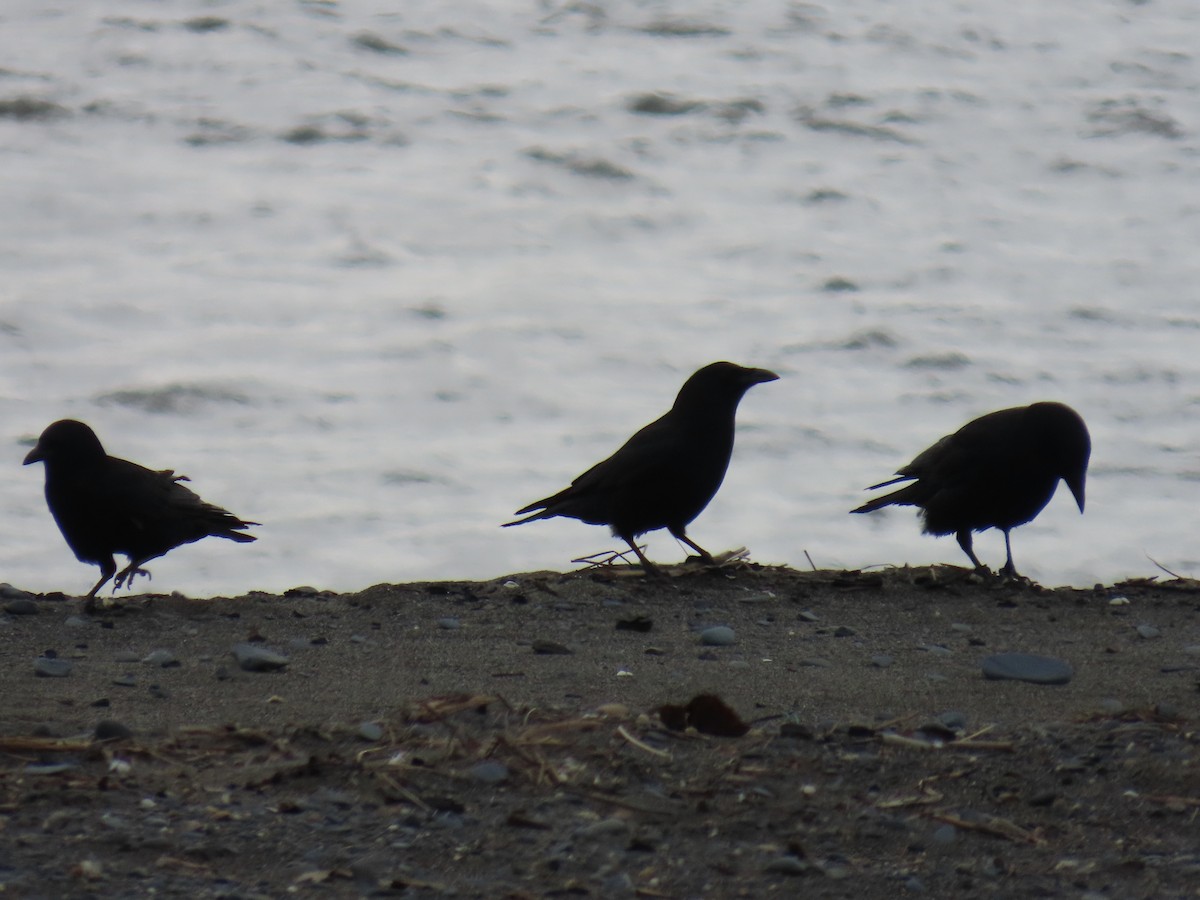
(253, 658)
(1149, 632)
(1027, 667)
(22, 606)
(953, 720)
(108, 730)
(50, 667)
(162, 658)
(449, 623)
(370, 731)
(612, 827)
(788, 865)
(881, 661)
(489, 771)
(718, 636)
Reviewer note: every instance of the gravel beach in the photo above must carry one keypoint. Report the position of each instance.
(508, 738)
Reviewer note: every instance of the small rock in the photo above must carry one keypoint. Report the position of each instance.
(1149, 632)
(881, 661)
(788, 865)
(844, 631)
(1027, 667)
(49, 667)
(1112, 706)
(370, 731)
(945, 835)
(77, 622)
(489, 771)
(164, 659)
(449, 623)
(550, 648)
(127, 656)
(612, 827)
(108, 730)
(125, 681)
(253, 658)
(718, 636)
(953, 719)
(815, 662)
(22, 606)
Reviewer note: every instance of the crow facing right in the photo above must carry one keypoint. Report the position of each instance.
(665, 474)
(997, 471)
(104, 505)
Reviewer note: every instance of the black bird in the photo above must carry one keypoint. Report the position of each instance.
(665, 474)
(104, 505)
(997, 471)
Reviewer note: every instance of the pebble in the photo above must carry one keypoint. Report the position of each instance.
(788, 865)
(22, 606)
(1027, 667)
(48, 667)
(844, 631)
(935, 649)
(252, 658)
(162, 658)
(109, 730)
(449, 623)
(960, 627)
(127, 656)
(945, 835)
(604, 828)
(77, 622)
(370, 731)
(1148, 632)
(125, 681)
(489, 771)
(815, 662)
(1112, 706)
(882, 661)
(807, 615)
(550, 648)
(718, 636)
(953, 720)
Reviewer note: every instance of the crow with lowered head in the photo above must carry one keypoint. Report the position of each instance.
(665, 474)
(997, 471)
(104, 505)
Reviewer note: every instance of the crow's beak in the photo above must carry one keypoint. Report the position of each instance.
(1075, 483)
(758, 376)
(34, 455)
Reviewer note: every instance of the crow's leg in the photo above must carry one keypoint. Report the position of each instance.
(965, 541)
(651, 568)
(700, 551)
(1009, 570)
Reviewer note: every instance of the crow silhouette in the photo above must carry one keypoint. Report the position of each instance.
(665, 474)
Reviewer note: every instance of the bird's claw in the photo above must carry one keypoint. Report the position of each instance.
(126, 576)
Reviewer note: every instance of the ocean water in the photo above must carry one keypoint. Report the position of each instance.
(378, 274)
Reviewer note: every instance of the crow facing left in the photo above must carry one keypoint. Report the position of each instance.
(104, 505)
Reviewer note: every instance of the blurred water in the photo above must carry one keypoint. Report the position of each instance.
(376, 275)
